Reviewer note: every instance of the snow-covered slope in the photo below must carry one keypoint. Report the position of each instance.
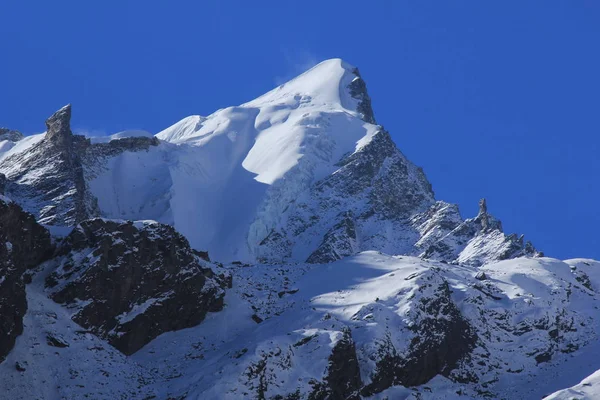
(371, 325)
(587, 389)
(300, 173)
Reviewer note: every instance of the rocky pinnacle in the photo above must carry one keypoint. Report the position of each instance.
(483, 215)
(59, 127)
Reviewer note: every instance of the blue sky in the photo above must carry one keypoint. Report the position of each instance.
(493, 99)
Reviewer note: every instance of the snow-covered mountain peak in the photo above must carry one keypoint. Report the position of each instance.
(330, 84)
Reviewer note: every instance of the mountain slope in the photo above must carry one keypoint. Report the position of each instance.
(371, 325)
(300, 173)
(338, 275)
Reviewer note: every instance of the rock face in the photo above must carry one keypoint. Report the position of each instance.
(338, 243)
(23, 244)
(377, 186)
(476, 241)
(130, 282)
(358, 90)
(442, 338)
(47, 178)
(10, 135)
(342, 380)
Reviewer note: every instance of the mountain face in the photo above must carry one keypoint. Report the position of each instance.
(152, 282)
(334, 272)
(318, 178)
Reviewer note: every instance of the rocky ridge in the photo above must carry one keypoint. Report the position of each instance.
(47, 177)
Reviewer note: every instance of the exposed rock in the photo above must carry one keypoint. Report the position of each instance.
(55, 340)
(20, 367)
(376, 184)
(442, 338)
(473, 241)
(256, 318)
(342, 380)
(98, 152)
(395, 187)
(2, 183)
(23, 244)
(358, 90)
(487, 221)
(48, 177)
(481, 276)
(58, 128)
(338, 243)
(10, 135)
(130, 282)
(483, 215)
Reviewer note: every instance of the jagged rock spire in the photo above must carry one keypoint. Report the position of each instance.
(58, 126)
(483, 215)
(482, 206)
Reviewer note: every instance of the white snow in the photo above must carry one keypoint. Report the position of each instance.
(6, 145)
(587, 389)
(120, 135)
(138, 309)
(226, 178)
(21, 145)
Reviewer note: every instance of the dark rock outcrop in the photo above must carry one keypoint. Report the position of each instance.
(342, 380)
(10, 135)
(442, 338)
(58, 128)
(129, 282)
(358, 90)
(2, 183)
(23, 244)
(338, 243)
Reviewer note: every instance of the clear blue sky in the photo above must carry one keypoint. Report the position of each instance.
(494, 99)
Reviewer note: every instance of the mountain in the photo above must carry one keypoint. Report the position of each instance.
(299, 174)
(334, 273)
